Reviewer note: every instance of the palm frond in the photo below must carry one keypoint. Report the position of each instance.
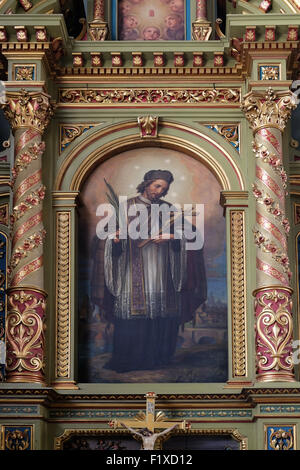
(112, 193)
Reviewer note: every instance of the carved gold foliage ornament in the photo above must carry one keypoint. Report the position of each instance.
(24, 72)
(281, 438)
(17, 438)
(272, 109)
(238, 288)
(31, 200)
(25, 333)
(229, 132)
(150, 96)
(29, 110)
(68, 133)
(148, 126)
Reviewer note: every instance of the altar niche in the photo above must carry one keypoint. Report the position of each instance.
(187, 343)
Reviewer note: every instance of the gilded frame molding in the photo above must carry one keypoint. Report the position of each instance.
(238, 293)
(233, 432)
(237, 242)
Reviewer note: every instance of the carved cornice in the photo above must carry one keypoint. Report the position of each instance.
(268, 109)
(28, 110)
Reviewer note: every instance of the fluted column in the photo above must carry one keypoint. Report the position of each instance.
(267, 114)
(201, 27)
(29, 115)
(98, 28)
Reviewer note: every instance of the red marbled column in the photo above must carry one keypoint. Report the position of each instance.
(201, 10)
(29, 114)
(99, 10)
(267, 114)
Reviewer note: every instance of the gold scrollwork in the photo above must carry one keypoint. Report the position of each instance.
(229, 132)
(274, 329)
(25, 333)
(29, 110)
(270, 109)
(151, 96)
(17, 439)
(281, 439)
(70, 132)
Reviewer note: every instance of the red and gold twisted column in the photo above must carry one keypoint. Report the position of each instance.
(29, 115)
(267, 114)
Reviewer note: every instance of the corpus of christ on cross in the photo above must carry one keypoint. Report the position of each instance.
(151, 421)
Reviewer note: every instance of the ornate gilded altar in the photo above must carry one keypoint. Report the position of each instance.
(75, 97)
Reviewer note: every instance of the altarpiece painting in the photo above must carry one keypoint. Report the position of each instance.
(181, 335)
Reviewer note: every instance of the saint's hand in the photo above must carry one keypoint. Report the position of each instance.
(115, 236)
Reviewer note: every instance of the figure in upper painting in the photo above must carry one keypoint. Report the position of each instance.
(152, 303)
(159, 20)
(174, 27)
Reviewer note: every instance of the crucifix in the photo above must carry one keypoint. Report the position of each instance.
(148, 423)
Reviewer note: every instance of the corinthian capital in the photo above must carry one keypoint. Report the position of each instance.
(268, 109)
(28, 110)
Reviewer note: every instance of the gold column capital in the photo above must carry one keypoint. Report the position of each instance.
(269, 108)
(25, 109)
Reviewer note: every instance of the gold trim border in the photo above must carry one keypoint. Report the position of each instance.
(238, 293)
(25, 65)
(63, 294)
(269, 64)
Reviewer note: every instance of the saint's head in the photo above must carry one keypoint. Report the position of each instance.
(156, 184)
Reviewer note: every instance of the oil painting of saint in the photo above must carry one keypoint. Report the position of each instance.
(152, 307)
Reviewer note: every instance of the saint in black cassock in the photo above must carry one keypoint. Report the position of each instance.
(149, 290)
